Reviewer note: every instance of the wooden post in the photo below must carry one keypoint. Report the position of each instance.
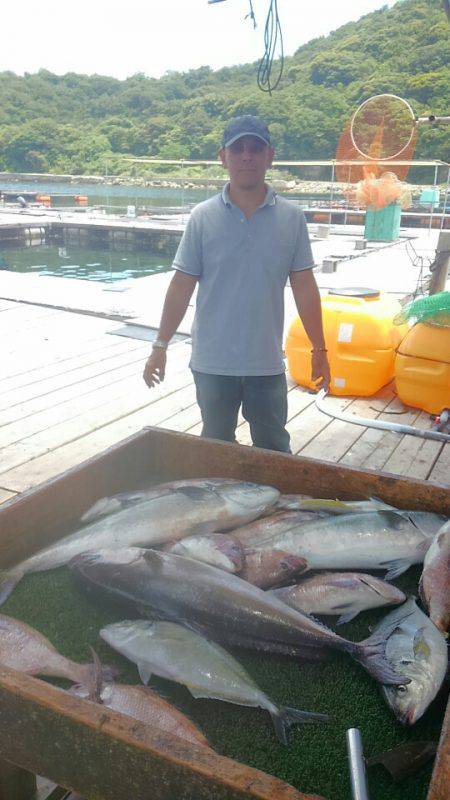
(442, 263)
(16, 782)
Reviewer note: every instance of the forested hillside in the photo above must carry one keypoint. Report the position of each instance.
(76, 123)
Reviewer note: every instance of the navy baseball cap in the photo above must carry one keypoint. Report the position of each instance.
(247, 125)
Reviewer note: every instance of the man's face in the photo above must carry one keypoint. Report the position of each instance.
(247, 160)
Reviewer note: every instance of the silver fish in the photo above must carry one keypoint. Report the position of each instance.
(206, 669)
(427, 521)
(343, 593)
(218, 604)
(263, 532)
(205, 506)
(417, 649)
(222, 550)
(434, 586)
(26, 650)
(371, 540)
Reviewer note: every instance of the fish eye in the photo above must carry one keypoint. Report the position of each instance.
(401, 689)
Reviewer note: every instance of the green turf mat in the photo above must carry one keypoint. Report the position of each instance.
(316, 759)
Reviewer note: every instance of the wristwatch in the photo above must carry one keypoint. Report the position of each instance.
(160, 344)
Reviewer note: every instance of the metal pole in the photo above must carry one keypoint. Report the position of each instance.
(356, 764)
(331, 193)
(432, 204)
(442, 264)
(447, 187)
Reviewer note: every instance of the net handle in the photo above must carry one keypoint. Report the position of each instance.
(432, 118)
(413, 126)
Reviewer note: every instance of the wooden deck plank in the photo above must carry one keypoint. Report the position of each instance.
(7, 305)
(376, 446)
(440, 472)
(108, 364)
(100, 392)
(89, 355)
(25, 316)
(304, 427)
(162, 405)
(40, 356)
(339, 437)
(23, 410)
(20, 352)
(415, 456)
(137, 397)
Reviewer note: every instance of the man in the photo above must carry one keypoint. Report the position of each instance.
(241, 246)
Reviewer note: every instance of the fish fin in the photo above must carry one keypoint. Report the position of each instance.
(195, 492)
(392, 517)
(380, 505)
(347, 617)
(421, 592)
(145, 672)
(102, 508)
(287, 716)
(8, 581)
(95, 682)
(396, 567)
(371, 654)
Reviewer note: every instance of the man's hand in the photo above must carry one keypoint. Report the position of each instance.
(320, 369)
(155, 367)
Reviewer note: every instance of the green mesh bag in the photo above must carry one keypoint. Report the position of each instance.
(433, 309)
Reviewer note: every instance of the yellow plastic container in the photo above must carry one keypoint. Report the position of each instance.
(422, 368)
(360, 337)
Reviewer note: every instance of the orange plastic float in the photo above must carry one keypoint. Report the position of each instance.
(360, 337)
(422, 368)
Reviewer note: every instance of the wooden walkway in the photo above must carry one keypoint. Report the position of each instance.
(71, 388)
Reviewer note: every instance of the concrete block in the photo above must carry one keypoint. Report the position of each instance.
(329, 264)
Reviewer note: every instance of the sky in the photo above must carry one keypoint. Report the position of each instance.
(120, 39)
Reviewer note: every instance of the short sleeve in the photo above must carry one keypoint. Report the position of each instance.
(303, 257)
(188, 257)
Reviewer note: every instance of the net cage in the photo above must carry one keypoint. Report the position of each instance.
(432, 309)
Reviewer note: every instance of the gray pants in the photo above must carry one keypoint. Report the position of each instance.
(264, 406)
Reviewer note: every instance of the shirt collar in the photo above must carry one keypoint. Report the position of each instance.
(269, 200)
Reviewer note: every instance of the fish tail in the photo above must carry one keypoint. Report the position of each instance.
(8, 581)
(371, 653)
(286, 716)
(92, 676)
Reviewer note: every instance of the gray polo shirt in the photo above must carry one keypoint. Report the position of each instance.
(242, 266)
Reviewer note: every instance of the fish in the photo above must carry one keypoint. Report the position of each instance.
(427, 521)
(434, 584)
(206, 669)
(219, 549)
(267, 568)
(141, 703)
(418, 650)
(219, 605)
(343, 593)
(25, 649)
(110, 505)
(406, 759)
(371, 540)
(262, 532)
(203, 507)
(300, 502)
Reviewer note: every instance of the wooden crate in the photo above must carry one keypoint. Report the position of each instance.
(104, 754)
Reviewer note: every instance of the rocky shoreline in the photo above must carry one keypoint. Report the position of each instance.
(296, 187)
